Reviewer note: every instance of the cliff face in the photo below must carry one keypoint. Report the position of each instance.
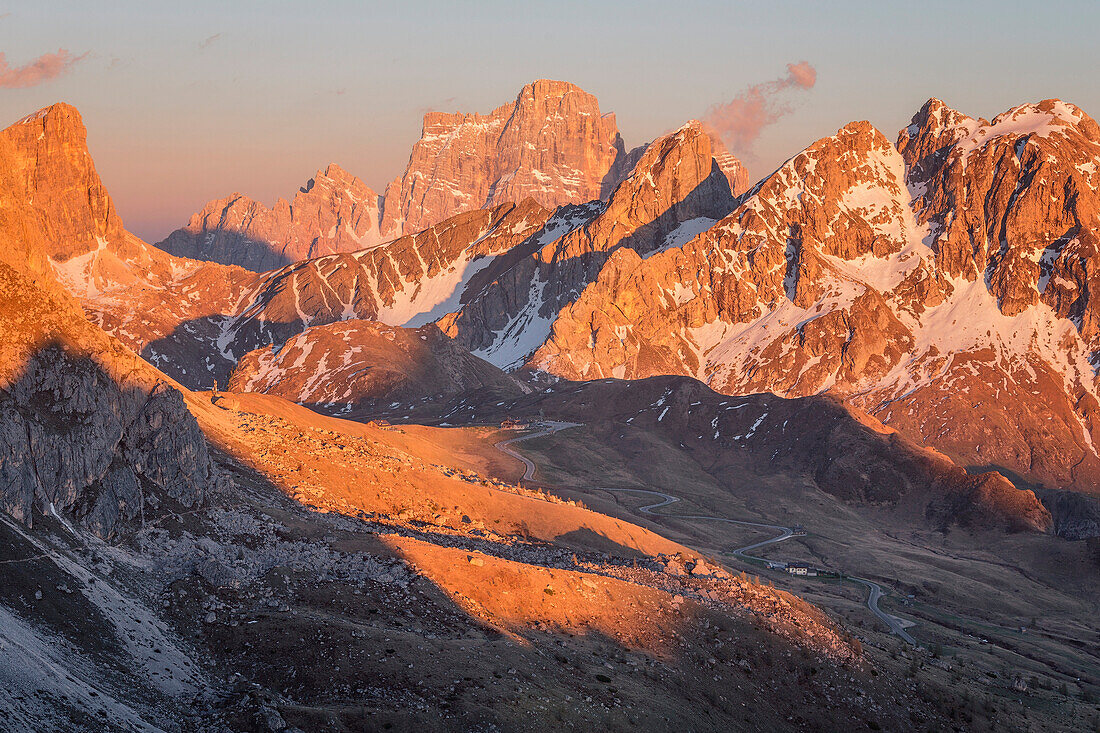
(59, 222)
(942, 285)
(87, 429)
(334, 212)
(676, 188)
(551, 144)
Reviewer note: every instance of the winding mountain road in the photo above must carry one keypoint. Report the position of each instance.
(897, 626)
(547, 428)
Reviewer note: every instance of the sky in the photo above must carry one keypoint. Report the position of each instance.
(187, 102)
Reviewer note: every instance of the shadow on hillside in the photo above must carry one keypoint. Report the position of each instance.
(537, 621)
(78, 439)
(226, 247)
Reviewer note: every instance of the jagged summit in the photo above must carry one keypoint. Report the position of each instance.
(333, 212)
(551, 144)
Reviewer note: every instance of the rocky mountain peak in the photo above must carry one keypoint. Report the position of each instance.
(333, 212)
(48, 159)
(551, 144)
(334, 178)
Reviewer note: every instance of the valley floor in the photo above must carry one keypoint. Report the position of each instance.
(1009, 620)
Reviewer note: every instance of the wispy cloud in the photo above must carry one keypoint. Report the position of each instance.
(210, 41)
(42, 69)
(741, 120)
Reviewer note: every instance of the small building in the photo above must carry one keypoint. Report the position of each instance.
(513, 424)
(773, 565)
(801, 568)
(798, 530)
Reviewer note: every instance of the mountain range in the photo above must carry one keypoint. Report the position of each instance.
(901, 330)
(939, 283)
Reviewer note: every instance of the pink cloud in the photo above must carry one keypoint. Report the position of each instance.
(741, 120)
(802, 74)
(42, 69)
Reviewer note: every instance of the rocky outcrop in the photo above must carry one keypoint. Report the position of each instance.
(676, 189)
(57, 220)
(353, 364)
(334, 212)
(1075, 516)
(87, 429)
(551, 144)
(865, 271)
(408, 282)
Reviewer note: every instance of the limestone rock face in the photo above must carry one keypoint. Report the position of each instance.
(47, 157)
(551, 144)
(408, 282)
(87, 429)
(1032, 233)
(942, 285)
(334, 212)
(55, 208)
(353, 364)
(676, 189)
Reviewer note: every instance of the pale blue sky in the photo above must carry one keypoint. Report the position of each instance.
(288, 87)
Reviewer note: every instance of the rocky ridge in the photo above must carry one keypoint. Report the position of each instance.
(852, 270)
(552, 144)
(334, 212)
(675, 189)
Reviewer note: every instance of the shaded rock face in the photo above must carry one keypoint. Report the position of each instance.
(1075, 516)
(352, 364)
(334, 212)
(88, 429)
(551, 144)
